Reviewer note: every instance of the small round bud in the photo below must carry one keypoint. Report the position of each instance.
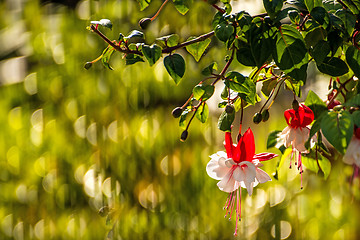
(103, 211)
(265, 115)
(257, 118)
(295, 105)
(144, 23)
(88, 65)
(177, 112)
(229, 109)
(184, 135)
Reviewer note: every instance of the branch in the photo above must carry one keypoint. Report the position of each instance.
(184, 44)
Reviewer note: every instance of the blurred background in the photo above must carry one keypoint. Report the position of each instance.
(95, 154)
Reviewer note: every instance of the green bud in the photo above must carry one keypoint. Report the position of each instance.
(229, 109)
(177, 112)
(338, 107)
(295, 105)
(144, 23)
(257, 118)
(265, 115)
(184, 135)
(88, 65)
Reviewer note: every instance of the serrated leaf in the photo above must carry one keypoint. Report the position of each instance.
(333, 66)
(338, 129)
(290, 50)
(273, 7)
(210, 69)
(169, 41)
(225, 121)
(203, 92)
(310, 164)
(143, 4)
(103, 22)
(132, 58)
(315, 103)
(175, 66)
(224, 31)
(182, 6)
(325, 166)
(310, 4)
(353, 59)
(106, 55)
(245, 88)
(135, 34)
(152, 53)
(273, 139)
(197, 49)
(202, 113)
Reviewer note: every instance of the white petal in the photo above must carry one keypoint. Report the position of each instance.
(250, 174)
(215, 171)
(239, 174)
(352, 155)
(228, 183)
(262, 176)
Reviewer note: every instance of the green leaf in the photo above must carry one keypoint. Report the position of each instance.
(273, 139)
(320, 15)
(290, 49)
(315, 103)
(310, 4)
(299, 74)
(314, 129)
(294, 16)
(310, 163)
(338, 129)
(353, 5)
(182, 120)
(203, 112)
(224, 31)
(225, 121)
(197, 49)
(169, 41)
(286, 154)
(103, 22)
(132, 58)
(210, 69)
(203, 92)
(320, 51)
(106, 55)
(183, 6)
(353, 59)
(245, 57)
(143, 4)
(356, 118)
(273, 7)
(325, 166)
(333, 66)
(314, 36)
(152, 53)
(243, 85)
(348, 19)
(294, 86)
(134, 34)
(268, 86)
(175, 65)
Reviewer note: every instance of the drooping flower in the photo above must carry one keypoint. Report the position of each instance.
(297, 132)
(352, 155)
(238, 167)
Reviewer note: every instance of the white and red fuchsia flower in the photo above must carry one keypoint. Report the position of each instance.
(352, 155)
(297, 132)
(238, 167)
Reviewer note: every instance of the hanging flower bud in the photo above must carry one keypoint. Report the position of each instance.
(177, 112)
(88, 65)
(257, 118)
(144, 23)
(265, 115)
(184, 135)
(295, 105)
(229, 109)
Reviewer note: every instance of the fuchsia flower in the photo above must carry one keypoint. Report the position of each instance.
(238, 167)
(297, 132)
(352, 155)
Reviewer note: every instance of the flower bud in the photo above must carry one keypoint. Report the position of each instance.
(257, 118)
(144, 23)
(88, 65)
(184, 135)
(229, 109)
(338, 107)
(177, 112)
(103, 211)
(265, 115)
(295, 105)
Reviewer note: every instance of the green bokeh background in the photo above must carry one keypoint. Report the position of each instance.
(91, 154)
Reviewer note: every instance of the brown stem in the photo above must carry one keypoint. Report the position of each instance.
(157, 13)
(342, 86)
(218, 8)
(221, 75)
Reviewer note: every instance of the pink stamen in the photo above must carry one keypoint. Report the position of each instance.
(291, 158)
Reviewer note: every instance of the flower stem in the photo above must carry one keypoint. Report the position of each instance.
(157, 13)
